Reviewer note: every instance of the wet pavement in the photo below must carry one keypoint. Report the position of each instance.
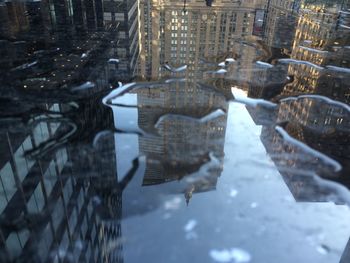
(162, 131)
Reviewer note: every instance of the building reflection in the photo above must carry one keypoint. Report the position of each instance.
(186, 38)
(184, 143)
(323, 127)
(280, 23)
(67, 204)
(305, 31)
(64, 204)
(58, 44)
(319, 38)
(49, 211)
(181, 127)
(183, 146)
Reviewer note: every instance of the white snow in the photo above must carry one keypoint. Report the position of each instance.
(172, 204)
(191, 224)
(236, 255)
(233, 192)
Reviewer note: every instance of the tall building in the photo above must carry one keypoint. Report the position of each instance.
(123, 15)
(182, 144)
(320, 40)
(319, 44)
(63, 204)
(181, 127)
(280, 23)
(64, 37)
(170, 32)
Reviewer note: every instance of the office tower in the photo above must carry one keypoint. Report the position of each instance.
(320, 41)
(280, 24)
(181, 35)
(182, 145)
(124, 16)
(63, 203)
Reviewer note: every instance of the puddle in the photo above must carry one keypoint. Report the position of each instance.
(174, 132)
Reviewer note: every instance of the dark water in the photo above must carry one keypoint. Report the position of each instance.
(144, 131)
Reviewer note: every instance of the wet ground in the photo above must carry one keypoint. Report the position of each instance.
(143, 131)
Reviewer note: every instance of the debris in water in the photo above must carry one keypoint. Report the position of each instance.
(117, 92)
(300, 62)
(264, 64)
(314, 50)
(175, 80)
(254, 205)
(221, 255)
(339, 69)
(323, 249)
(113, 61)
(173, 69)
(242, 98)
(235, 255)
(85, 86)
(221, 71)
(307, 42)
(210, 117)
(173, 204)
(320, 97)
(233, 193)
(230, 60)
(27, 65)
(191, 224)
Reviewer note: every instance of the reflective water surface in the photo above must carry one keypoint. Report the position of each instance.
(169, 131)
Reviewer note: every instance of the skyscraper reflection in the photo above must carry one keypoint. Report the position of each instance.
(183, 143)
(185, 38)
(182, 133)
(58, 40)
(48, 209)
(66, 203)
(315, 121)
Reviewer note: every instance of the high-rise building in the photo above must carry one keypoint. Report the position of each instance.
(180, 132)
(318, 66)
(182, 144)
(170, 32)
(320, 40)
(48, 209)
(59, 205)
(280, 24)
(123, 15)
(82, 31)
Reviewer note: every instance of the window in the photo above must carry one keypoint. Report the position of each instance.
(7, 185)
(21, 164)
